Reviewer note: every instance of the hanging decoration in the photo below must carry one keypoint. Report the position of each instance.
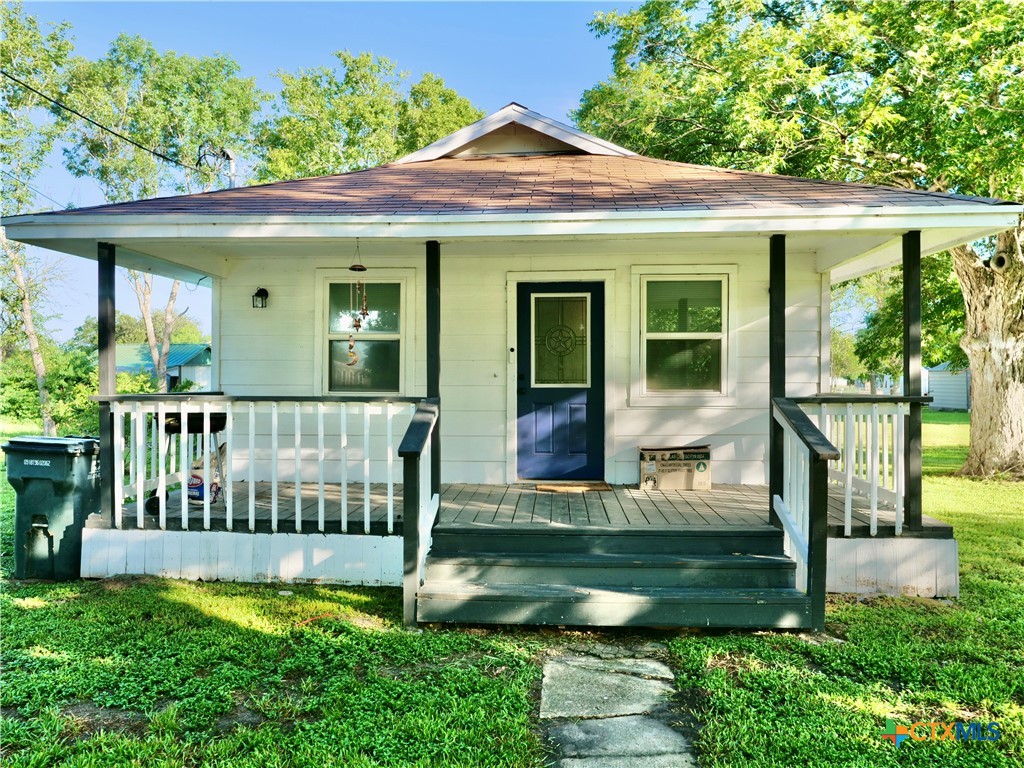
(353, 358)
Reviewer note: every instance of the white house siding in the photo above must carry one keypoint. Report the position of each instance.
(950, 390)
(272, 351)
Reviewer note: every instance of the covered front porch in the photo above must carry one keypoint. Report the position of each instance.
(342, 490)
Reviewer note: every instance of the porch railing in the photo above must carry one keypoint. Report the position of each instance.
(421, 497)
(803, 504)
(157, 440)
(870, 433)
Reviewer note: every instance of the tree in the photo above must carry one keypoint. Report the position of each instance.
(355, 116)
(846, 364)
(194, 111)
(880, 343)
(37, 58)
(132, 330)
(926, 95)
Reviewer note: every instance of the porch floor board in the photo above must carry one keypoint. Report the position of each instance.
(521, 504)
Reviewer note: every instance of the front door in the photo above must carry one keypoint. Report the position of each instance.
(560, 381)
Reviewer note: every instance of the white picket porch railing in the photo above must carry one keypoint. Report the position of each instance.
(344, 441)
(801, 503)
(870, 433)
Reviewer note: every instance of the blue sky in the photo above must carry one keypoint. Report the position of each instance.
(537, 53)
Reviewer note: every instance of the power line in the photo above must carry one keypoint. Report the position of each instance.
(121, 136)
(25, 183)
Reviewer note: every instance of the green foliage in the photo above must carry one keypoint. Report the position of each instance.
(37, 57)
(927, 94)
(845, 362)
(354, 116)
(72, 380)
(179, 105)
(129, 329)
(880, 343)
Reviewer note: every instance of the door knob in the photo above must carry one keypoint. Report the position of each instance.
(521, 391)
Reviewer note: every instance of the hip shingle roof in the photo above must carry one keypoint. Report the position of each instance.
(529, 184)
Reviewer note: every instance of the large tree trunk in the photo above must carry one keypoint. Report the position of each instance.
(142, 285)
(994, 343)
(35, 349)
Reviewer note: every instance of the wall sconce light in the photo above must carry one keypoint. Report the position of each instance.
(259, 299)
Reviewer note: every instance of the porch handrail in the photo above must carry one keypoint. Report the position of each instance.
(148, 457)
(803, 505)
(420, 504)
(871, 433)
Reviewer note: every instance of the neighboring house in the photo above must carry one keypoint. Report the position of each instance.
(185, 362)
(949, 388)
(528, 304)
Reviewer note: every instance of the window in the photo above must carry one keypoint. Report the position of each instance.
(364, 337)
(683, 345)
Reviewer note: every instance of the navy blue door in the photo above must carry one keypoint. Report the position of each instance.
(560, 381)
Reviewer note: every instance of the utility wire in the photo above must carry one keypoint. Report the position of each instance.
(25, 183)
(121, 136)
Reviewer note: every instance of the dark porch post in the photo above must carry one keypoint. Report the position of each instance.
(912, 376)
(434, 355)
(776, 365)
(105, 259)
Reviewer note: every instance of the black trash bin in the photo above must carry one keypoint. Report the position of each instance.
(57, 483)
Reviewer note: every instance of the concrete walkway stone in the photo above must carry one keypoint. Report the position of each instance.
(636, 735)
(577, 690)
(612, 712)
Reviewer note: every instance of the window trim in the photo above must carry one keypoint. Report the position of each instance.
(405, 336)
(639, 396)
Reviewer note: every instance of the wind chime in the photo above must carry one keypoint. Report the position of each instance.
(356, 298)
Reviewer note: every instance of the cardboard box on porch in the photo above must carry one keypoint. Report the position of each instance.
(680, 468)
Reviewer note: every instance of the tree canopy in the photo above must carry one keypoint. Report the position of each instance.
(925, 95)
(353, 116)
(187, 108)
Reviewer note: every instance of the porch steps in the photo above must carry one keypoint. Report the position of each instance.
(680, 577)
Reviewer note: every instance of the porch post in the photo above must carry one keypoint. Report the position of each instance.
(434, 355)
(105, 259)
(912, 375)
(776, 365)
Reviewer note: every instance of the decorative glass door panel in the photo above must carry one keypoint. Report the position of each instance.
(561, 337)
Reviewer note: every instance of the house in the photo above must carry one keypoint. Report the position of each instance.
(185, 363)
(437, 373)
(949, 388)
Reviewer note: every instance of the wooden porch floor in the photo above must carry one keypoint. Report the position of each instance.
(523, 505)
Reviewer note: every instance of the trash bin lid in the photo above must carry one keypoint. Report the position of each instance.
(38, 444)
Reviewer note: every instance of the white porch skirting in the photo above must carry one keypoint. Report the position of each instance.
(249, 557)
(894, 566)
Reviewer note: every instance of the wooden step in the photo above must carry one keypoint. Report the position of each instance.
(499, 603)
(455, 539)
(614, 570)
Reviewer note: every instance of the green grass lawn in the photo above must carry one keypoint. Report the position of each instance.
(152, 672)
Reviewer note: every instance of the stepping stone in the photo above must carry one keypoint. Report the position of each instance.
(654, 761)
(636, 667)
(635, 735)
(577, 688)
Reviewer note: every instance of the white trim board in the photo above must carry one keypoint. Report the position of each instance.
(248, 557)
(894, 566)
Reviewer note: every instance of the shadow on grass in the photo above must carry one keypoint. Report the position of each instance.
(143, 670)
